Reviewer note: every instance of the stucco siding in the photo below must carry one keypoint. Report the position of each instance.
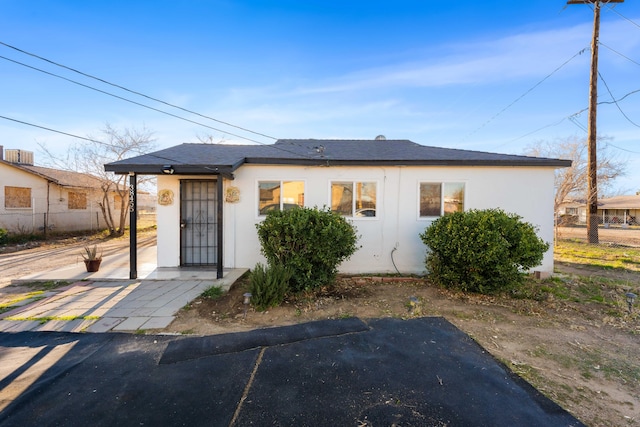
(168, 218)
(51, 199)
(394, 231)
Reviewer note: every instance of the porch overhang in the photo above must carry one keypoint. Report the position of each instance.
(133, 215)
(176, 169)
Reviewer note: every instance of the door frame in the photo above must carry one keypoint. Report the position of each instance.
(218, 207)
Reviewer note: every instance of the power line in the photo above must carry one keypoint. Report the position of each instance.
(618, 53)
(526, 92)
(148, 154)
(572, 118)
(147, 106)
(623, 149)
(56, 131)
(620, 99)
(535, 131)
(135, 92)
(80, 137)
(616, 102)
(127, 100)
(612, 8)
(106, 144)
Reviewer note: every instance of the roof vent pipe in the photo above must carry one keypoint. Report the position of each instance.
(381, 138)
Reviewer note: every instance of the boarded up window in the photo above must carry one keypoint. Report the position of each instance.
(77, 200)
(17, 197)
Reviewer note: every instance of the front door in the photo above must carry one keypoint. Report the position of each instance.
(198, 222)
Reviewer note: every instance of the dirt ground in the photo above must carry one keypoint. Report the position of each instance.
(20, 260)
(583, 356)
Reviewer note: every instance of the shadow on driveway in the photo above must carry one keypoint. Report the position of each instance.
(420, 372)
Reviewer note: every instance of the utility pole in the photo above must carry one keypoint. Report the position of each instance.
(592, 187)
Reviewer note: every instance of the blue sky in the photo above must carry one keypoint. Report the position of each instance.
(490, 76)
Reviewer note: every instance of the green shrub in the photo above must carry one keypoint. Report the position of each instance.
(213, 292)
(269, 285)
(484, 251)
(311, 243)
(4, 238)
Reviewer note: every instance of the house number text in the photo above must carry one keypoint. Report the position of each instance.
(132, 199)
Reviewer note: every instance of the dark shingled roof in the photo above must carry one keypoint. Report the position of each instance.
(224, 159)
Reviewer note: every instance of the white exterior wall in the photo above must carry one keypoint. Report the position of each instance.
(60, 217)
(22, 219)
(527, 192)
(168, 218)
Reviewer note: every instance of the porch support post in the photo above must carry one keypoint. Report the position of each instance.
(133, 227)
(220, 267)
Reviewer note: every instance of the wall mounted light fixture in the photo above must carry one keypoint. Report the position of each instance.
(167, 169)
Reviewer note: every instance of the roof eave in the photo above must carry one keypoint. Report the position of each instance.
(183, 169)
(409, 162)
(122, 169)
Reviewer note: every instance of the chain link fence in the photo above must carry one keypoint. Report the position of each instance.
(611, 230)
(25, 223)
(64, 212)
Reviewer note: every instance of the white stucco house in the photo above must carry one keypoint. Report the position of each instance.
(211, 196)
(34, 197)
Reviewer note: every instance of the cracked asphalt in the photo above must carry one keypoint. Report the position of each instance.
(419, 372)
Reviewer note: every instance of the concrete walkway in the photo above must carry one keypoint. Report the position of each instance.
(108, 301)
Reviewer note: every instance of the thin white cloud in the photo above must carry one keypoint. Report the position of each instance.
(283, 115)
(527, 55)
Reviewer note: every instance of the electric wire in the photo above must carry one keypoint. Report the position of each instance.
(153, 108)
(613, 9)
(125, 99)
(623, 149)
(580, 52)
(618, 53)
(616, 102)
(79, 137)
(57, 131)
(134, 92)
(148, 154)
(619, 99)
(535, 131)
(572, 118)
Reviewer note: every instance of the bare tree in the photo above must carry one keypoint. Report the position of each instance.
(90, 157)
(571, 182)
(210, 139)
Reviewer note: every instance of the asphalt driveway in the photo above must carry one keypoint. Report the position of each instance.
(420, 372)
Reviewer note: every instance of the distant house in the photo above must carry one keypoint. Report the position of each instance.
(212, 196)
(35, 197)
(620, 210)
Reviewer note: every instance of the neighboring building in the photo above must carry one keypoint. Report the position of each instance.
(212, 196)
(621, 210)
(35, 197)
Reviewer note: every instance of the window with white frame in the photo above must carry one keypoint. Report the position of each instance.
(279, 195)
(354, 198)
(441, 198)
